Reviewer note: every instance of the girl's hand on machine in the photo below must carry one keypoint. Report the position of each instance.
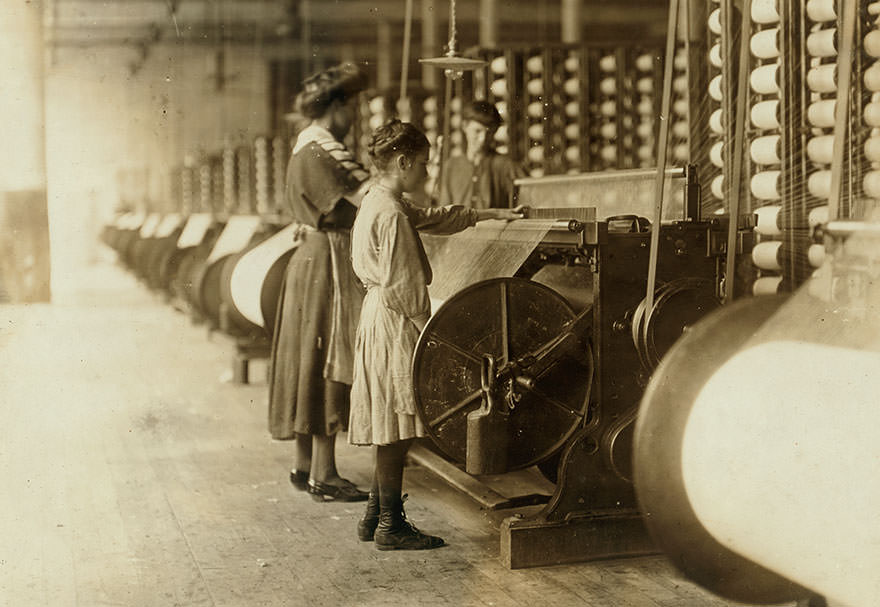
(503, 214)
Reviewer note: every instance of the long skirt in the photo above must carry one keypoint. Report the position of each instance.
(301, 400)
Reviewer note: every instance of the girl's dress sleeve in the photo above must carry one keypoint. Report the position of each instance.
(441, 220)
(403, 279)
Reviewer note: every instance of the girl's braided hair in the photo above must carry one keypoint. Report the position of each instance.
(396, 137)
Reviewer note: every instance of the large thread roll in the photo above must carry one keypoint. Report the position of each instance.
(765, 185)
(820, 149)
(822, 43)
(765, 114)
(572, 131)
(680, 107)
(766, 149)
(535, 109)
(716, 154)
(766, 285)
(717, 187)
(765, 44)
(766, 255)
(716, 122)
(572, 87)
(645, 85)
(768, 220)
(608, 63)
(608, 86)
(817, 216)
(498, 65)
(872, 43)
(871, 184)
(715, 21)
(823, 78)
(645, 130)
(821, 10)
(680, 129)
(872, 77)
(819, 184)
(821, 113)
(872, 149)
(608, 153)
(536, 153)
(572, 109)
(764, 79)
(765, 12)
(535, 64)
(715, 88)
(816, 255)
(535, 87)
(536, 131)
(645, 62)
(872, 114)
(499, 87)
(608, 130)
(715, 55)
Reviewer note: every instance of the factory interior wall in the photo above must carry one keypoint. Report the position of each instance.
(117, 121)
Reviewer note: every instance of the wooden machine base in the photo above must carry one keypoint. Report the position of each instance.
(537, 542)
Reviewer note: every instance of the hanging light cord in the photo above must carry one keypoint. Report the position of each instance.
(453, 33)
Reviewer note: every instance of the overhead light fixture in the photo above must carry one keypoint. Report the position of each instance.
(453, 65)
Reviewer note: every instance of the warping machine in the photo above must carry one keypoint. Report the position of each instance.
(544, 362)
(220, 255)
(780, 391)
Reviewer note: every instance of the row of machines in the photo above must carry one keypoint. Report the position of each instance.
(219, 255)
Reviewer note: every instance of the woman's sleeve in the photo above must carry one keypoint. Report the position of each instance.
(403, 280)
(327, 174)
(448, 219)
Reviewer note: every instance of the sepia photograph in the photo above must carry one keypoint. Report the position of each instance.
(466, 303)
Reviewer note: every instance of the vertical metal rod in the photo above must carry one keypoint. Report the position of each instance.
(429, 43)
(842, 113)
(661, 152)
(407, 40)
(488, 23)
(305, 14)
(736, 155)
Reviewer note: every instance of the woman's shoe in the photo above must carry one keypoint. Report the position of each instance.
(299, 479)
(347, 492)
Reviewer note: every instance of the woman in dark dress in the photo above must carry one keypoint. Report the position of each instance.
(313, 343)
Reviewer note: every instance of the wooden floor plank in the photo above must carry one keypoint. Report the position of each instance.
(136, 476)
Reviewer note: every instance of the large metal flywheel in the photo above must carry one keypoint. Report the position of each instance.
(542, 379)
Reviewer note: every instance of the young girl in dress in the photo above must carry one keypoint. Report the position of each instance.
(388, 258)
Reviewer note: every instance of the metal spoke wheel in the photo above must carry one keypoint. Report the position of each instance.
(509, 319)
